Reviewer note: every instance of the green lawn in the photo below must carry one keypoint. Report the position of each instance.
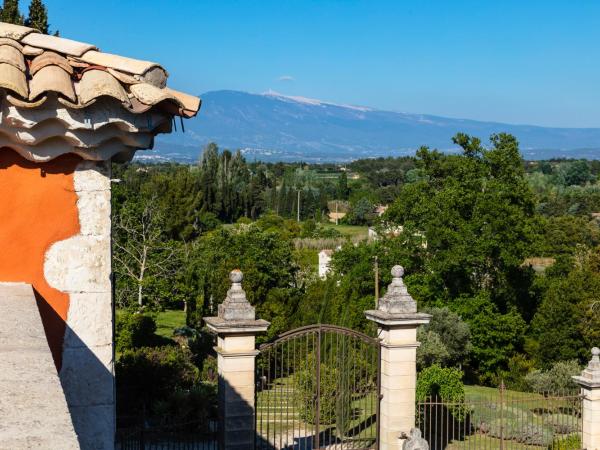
(278, 419)
(167, 321)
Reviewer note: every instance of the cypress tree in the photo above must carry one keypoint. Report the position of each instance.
(10, 12)
(38, 16)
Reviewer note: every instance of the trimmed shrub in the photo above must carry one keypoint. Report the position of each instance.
(305, 389)
(134, 330)
(444, 383)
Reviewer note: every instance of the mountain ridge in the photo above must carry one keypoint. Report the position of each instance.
(276, 127)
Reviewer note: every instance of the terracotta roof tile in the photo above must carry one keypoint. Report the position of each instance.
(151, 95)
(10, 55)
(28, 50)
(121, 63)
(189, 102)
(138, 85)
(51, 78)
(13, 79)
(12, 43)
(48, 59)
(62, 96)
(16, 32)
(98, 83)
(60, 45)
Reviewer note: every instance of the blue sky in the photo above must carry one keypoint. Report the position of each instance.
(527, 61)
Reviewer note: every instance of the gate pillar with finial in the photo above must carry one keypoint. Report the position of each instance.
(590, 389)
(397, 321)
(236, 327)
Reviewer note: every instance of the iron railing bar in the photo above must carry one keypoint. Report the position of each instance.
(319, 327)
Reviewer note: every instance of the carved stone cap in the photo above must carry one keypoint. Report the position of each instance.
(397, 299)
(397, 307)
(590, 377)
(236, 315)
(236, 305)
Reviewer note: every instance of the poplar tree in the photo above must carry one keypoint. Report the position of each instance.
(10, 12)
(38, 16)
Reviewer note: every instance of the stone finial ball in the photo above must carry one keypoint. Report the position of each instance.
(596, 351)
(397, 271)
(236, 276)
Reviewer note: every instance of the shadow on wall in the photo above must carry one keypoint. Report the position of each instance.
(88, 385)
(243, 430)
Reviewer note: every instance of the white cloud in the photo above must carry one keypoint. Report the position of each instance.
(286, 78)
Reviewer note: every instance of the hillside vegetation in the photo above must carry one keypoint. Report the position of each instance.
(468, 228)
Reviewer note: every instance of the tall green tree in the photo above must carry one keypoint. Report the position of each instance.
(38, 16)
(476, 212)
(10, 12)
(342, 186)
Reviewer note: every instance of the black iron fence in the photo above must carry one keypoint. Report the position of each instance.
(161, 439)
(318, 387)
(502, 419)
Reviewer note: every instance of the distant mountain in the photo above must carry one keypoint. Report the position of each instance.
(272, 127)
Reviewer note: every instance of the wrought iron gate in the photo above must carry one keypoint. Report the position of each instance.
(318, 388)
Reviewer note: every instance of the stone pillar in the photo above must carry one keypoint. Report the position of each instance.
(236, 327)
(80, 266)
(397, 320)
(590, 389)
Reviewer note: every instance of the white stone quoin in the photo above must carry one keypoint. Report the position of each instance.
(397, 321)
(589, 380)
(236, 327)
(81, 267)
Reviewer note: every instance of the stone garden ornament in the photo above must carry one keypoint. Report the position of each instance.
(415, 441)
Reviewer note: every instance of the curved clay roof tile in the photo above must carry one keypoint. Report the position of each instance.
(122, 77)
(28, 50)
(60, 45)
(13, 79)
(16, 32)
(97, 83)
(50, 59)
(10, 55)
(151, 95)
(12, 43)
(155, 72)
(52, 79)
(26, 103)
(189, 102)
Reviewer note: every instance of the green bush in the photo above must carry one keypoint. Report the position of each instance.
(519, 366)
(187, 410)
(444, 383)
(134, 330)
(572, 442)
(306, 388)
(558, 379)
(149, 375)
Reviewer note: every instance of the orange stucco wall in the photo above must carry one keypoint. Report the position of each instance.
(38, 207)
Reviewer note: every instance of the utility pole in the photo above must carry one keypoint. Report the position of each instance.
(376, 282)
(336, 212)
(298, 218)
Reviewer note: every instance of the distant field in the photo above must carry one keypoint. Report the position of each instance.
(350, 230)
